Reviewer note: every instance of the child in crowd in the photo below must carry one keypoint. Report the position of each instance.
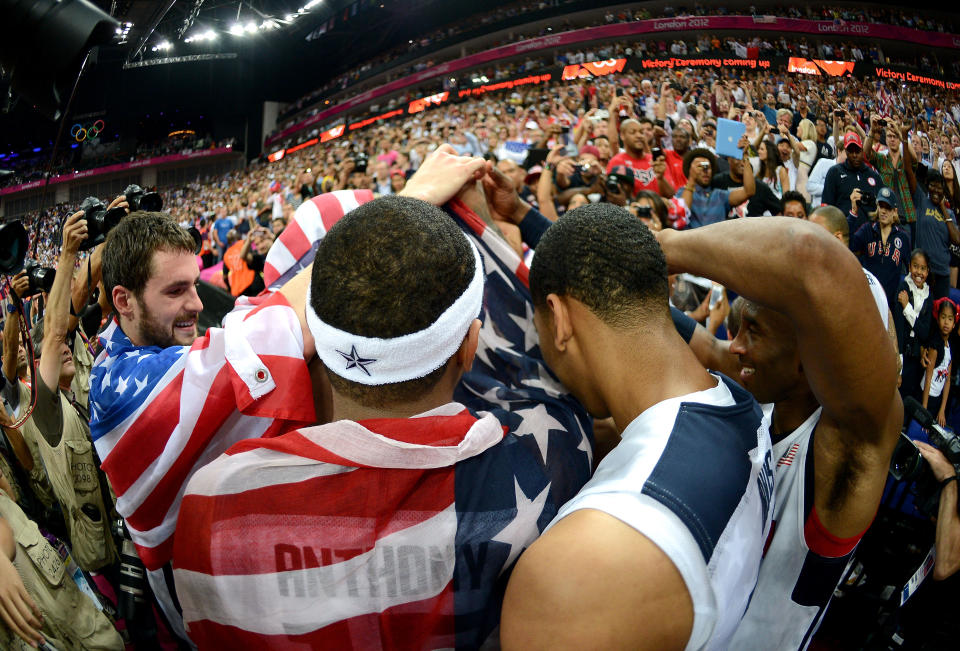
(912, 321)
(936, 383)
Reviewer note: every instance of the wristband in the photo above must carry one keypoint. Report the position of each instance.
(946, 481)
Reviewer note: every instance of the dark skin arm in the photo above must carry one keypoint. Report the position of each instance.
(908, 162)
(791, 267)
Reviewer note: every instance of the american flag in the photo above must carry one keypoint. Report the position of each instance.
(297, 244)
(158, 414)
(390, 533)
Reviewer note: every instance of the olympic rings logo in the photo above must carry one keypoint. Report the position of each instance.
(79, 133)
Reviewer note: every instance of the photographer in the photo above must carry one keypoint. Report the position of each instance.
(39, 601)
(707, 205)
(16, 391)
(850, 186)
(59, 423)
(948, 520)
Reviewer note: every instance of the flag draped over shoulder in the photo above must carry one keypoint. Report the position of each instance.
(394, 533)
(159, 414)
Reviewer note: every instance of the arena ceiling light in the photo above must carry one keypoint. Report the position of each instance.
(208, 35)
(237, 29)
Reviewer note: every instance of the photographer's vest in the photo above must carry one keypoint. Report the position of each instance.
(82, 362)
(39, 482)
(71, 621)
(73, 472)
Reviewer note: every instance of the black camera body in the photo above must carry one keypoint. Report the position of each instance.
(40, 278)
(360, 162)
(139, 199)
(99, 221)
(907, 464)
(868, 201)
(614, 179)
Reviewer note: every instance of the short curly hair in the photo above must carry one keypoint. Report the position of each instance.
(605, 258)
(389, 268)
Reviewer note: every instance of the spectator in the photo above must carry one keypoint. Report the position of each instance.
(883, 245)
(636, 156)
(890, 166)
(793, 204)
(936, 224)
(912, 315)
(772, 172)
(707, 205)
(939, 361)
(846, 183)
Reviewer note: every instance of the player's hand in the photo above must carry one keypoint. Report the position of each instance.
(17, 608)
(74, 232)
(443, 174)
(502, 199)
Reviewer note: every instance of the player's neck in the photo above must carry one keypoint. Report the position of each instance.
(638, 370)
(791, 412)
(345, 408)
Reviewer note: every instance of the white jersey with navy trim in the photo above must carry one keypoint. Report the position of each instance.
(796, 582)
(879, 296)
(694, 474)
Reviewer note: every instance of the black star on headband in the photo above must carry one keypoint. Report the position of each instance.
(354, 360)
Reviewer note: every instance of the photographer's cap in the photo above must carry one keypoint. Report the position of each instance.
(887, 196)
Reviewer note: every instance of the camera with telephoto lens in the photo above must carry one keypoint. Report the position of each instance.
(13, 247)
(40, 278)
(138, 199)
(868, 201)
(133, 575)
(99, 221)
(908, 464)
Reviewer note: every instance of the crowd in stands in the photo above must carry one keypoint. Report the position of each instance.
(36, 166)
(548, 173)
(881, 15)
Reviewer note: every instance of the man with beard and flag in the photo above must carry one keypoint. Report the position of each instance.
(451, 446)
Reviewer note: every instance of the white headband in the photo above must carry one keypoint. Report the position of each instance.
(374, 361)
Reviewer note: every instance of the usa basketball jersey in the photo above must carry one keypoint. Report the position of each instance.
(803, 564)
(694, 474)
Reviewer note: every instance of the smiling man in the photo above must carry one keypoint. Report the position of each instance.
(162, 401)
